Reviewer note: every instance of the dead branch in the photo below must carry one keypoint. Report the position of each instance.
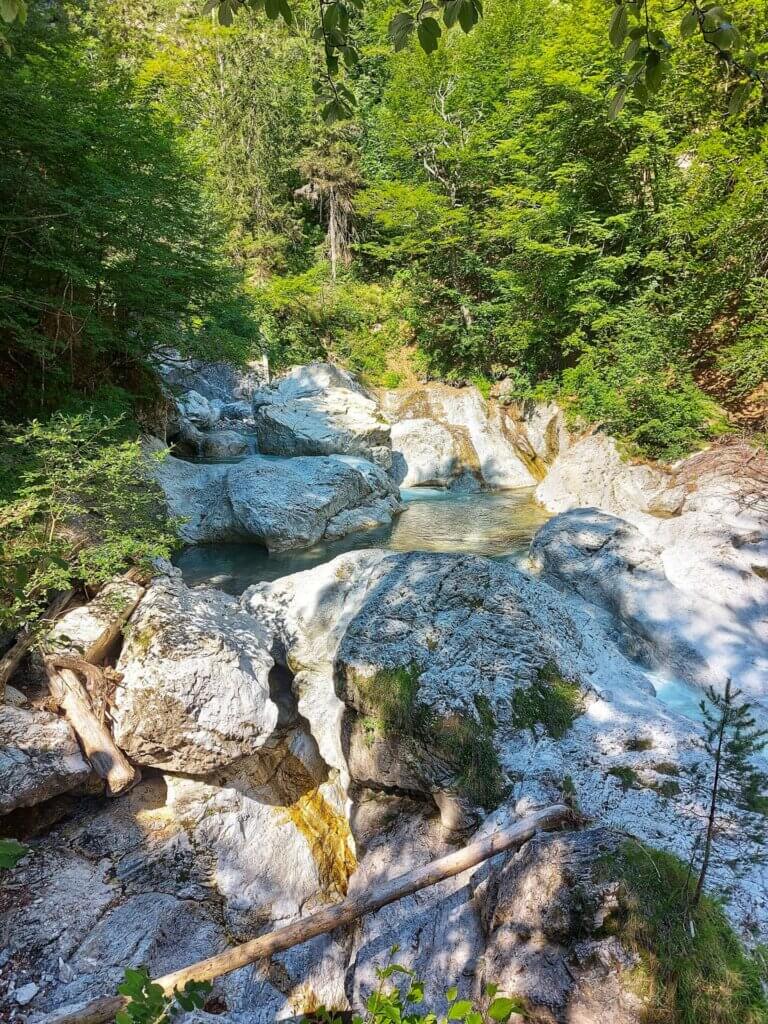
(101, 1010)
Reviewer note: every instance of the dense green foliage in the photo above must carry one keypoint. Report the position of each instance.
(693, 968)
(75, 505)
(150, 1005)
(404, 1000)
(109, 246)
(482, 217)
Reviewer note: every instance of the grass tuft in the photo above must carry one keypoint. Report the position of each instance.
(551, 701)
(694, 969)
(464, 742)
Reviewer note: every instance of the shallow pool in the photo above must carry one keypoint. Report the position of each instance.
(499, 524)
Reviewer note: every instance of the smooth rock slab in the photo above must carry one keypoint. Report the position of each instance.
(318, 409)
(279, 503)
(39, 757)
(194, 694)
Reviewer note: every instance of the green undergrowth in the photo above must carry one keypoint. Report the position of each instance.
(693, 968)
(551, 701)
(465, 742)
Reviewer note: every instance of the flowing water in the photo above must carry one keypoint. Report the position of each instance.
(499, 524)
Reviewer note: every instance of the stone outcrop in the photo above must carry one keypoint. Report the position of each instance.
(215, 381)
(39, 757)
(194, 694)
(682, 560)
(281, 504)
(319, 409)
(454, 647)
(442, 434)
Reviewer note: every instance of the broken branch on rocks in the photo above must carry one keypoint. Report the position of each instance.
(350, 909)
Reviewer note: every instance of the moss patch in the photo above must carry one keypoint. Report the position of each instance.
(690, 975)
(638, 744)
(464, 742)
(551, 701)
(627, 776)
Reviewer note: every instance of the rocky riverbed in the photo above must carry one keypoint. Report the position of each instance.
(333, 727)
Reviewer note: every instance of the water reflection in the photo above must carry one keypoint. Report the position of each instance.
(499, 525)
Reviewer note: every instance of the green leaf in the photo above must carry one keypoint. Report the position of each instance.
(225, 14)
(502, 1008)
(655, 69)
(739, 97)
(617, 103)
(632, 49)
(619, 24)
(8, 10)
(451, 993)
(459, 1010)
(272, 9)
(451, 12)
(689, 24)
(400, 28)
(331, 16)
(11, 852)
(429, 32)
(490, 990)
(469, 14)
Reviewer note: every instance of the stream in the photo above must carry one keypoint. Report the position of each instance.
(497, 524)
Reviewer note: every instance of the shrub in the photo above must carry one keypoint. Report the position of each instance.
(75, 505)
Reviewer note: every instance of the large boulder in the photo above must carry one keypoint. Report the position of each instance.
(443, 676)
(39, 757)
(441, 433)
(682, 559)
(218, 380)
(592, 473)
(544, 910)
(318, 409)
(199, 410)
(194, 694)
(279, 503)
(223, 444)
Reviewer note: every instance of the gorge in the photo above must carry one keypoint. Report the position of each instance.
(341, 679)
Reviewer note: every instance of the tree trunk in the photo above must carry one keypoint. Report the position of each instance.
(101, 1010)
(10, 661)
(109, 762)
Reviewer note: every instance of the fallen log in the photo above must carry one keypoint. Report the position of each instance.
(10, 660)
(108, 761)
(99, 1011)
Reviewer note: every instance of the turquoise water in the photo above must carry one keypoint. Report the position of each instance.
(499, 524)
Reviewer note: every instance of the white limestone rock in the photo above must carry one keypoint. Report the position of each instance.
(440, 433)
(469, 629)
(39, 757)
(222, 444)
(591, 473)
(194, 694)
(279, 503)
(686, 567)
(318, 409)
(202, 412)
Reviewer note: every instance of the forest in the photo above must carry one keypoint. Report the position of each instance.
(478, 217)
(383, 474)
